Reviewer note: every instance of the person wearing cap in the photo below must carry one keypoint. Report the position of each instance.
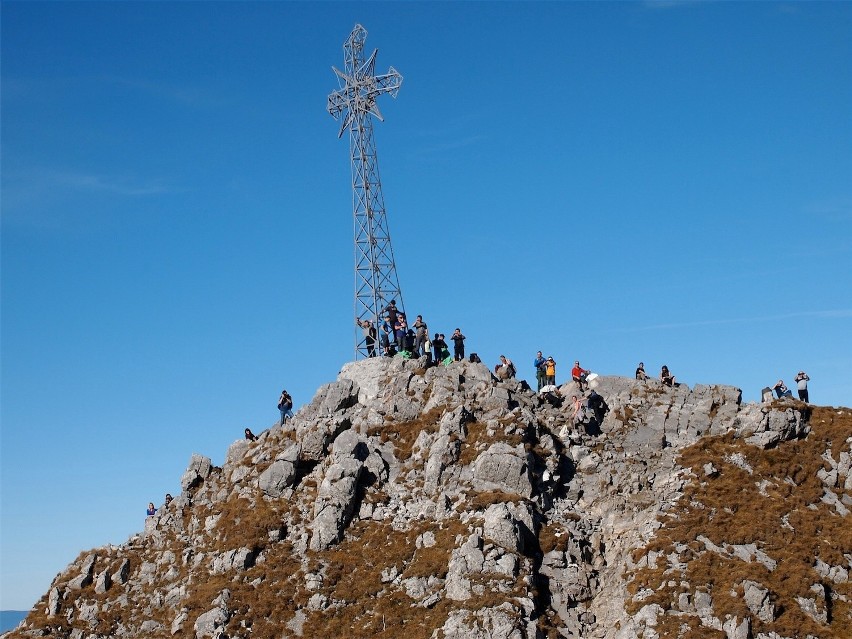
(802, 385)
(579, 374)
(550, 371)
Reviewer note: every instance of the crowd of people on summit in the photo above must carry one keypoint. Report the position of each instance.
(396, 338)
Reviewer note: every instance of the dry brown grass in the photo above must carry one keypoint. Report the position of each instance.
(730, 509)
(478, 439)
(403, 434)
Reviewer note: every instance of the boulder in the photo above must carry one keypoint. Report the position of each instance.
(502, 467)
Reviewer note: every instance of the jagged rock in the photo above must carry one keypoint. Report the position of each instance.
(237, 559)
(85, 577)
(54, 602)
(503, 622)
(281, 473)
(103, 582)
(758, 601)
(500, 527)
(198, 470)
(735, 629)
(766, 426)
(335, 499)
(315, 437)
(120, 576)
(502, 467)
(466, 560)
(422, 470)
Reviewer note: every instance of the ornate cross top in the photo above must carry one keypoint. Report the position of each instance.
(359, 86)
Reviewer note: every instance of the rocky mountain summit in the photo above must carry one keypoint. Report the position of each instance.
(414, 502)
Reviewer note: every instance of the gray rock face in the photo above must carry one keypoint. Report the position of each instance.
(85, 577)
(758, 601)
(765, 427)
(336, 495)
(198, 470)
(459, 487)
(278, 476)
(503, 467)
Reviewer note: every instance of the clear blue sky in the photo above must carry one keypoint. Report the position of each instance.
(614, 182)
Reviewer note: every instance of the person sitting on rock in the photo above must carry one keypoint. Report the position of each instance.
(641, 375)
(505, 369)
(781, 389)
(168, 498)
(666, 377)
(250, 435)
(151, 510)
(579, 374)
(578, 414)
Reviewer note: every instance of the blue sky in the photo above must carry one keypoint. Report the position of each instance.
(615, 182)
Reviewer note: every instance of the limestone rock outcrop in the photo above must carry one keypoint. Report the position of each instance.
(414, 501)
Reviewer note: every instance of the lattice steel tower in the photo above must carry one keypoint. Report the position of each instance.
(376, 282)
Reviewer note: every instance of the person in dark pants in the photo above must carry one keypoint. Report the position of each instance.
(598, 406)
(538, 362)
(458, 345)
(802, 385)
(369, 336)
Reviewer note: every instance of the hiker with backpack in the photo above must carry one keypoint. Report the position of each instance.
(285, 405)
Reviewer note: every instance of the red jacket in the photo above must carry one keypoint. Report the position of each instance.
(577, 372)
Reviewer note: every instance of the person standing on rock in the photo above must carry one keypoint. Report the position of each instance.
(458, 345)
(391, 313)
(550, 371)
(369, 336)
(802, 385)
(285, 405)
(538, 362)
(421, 334)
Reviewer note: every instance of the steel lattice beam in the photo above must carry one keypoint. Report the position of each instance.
(354, 103)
